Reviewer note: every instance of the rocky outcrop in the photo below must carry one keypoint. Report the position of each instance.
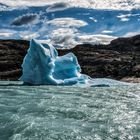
(119, 60)
(12, 53)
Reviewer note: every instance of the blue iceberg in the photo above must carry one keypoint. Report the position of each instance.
(43, 66)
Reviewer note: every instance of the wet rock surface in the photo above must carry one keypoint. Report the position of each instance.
(119, 60)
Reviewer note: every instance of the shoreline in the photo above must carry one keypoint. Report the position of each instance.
(119, 60)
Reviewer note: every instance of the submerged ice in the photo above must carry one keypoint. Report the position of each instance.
(42, 65)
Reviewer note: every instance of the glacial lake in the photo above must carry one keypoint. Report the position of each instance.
(69, 113)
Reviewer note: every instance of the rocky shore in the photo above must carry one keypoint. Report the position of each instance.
(118, 60)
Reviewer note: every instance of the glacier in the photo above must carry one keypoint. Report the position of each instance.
(43, 66)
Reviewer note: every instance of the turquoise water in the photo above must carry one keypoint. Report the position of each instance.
(69, 113)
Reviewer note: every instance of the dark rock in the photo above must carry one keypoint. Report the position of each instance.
(119, 60)
(11, 58)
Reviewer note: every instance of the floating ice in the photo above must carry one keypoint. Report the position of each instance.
(42, 65)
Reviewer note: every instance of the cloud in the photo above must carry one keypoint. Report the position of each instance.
(132, 33)
(5, 33)
(67, 22)
(93, 19)
(107, 32)
(95, 4)
(64, 37)
(25, 19)
(57, 7)
(27, 35)
(94, 39)
(69, 38)
(125, 17)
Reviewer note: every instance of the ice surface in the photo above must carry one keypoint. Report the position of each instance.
(42, 65)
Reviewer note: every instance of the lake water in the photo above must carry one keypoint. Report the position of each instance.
(69, 113)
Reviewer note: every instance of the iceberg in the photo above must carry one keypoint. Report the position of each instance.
(43, 66)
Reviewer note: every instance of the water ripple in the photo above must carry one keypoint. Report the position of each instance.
(72, 113)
